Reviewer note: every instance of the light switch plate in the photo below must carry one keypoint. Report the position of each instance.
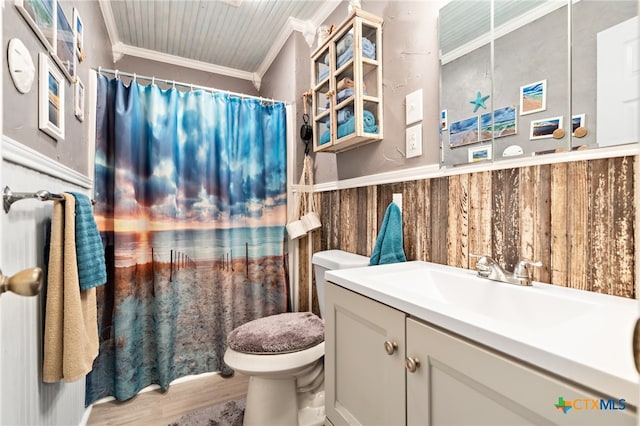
(413, 107)
(414, 140)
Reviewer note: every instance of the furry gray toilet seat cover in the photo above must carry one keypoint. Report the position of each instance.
(277, 334)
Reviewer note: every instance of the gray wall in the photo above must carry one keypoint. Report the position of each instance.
(21, 110)
(287, 79)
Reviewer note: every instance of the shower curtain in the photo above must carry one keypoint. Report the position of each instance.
(190, 191)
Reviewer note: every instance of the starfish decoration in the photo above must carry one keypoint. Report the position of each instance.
(479, 102)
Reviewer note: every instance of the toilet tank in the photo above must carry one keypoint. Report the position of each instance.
(329, 260)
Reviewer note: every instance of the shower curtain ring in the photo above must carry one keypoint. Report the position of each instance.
(153, 80)
(116, 73)
(100, 70)
(174, 84)
(135, 77)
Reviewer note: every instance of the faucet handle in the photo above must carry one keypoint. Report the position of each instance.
(484, 264)
(521, 270)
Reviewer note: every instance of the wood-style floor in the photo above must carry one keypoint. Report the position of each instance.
(161, 408)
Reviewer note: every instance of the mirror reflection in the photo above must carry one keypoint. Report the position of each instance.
(522, 78)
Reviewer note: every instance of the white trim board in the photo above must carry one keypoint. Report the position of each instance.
(17, 153)
(434, 171)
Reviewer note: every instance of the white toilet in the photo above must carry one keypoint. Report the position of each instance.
(283, 355)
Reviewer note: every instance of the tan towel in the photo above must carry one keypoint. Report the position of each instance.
(71, 325)
(348, 83)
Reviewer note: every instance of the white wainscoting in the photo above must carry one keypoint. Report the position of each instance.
(25, 231)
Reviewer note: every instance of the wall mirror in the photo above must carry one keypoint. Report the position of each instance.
(523, 78)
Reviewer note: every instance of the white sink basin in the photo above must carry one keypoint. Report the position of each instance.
(462, 289)
(581, 335)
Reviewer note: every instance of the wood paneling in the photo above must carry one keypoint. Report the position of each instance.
(458, 223)
(439, 197)
(559, 231)
(576, 218)
(480, 217)
(577, 211)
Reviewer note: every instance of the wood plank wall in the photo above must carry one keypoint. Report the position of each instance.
(576, 218)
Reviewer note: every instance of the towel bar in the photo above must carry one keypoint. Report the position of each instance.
(10, 197)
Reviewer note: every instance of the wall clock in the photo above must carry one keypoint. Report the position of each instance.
(21, 66)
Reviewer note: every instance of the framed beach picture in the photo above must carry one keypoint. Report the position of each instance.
(463, 132)
(65, 40)
(533, 97)
(480, 154)
(41, 17)
(78, 99)
(504, 123)
(541, 129)
(78, 33)
(50, 98)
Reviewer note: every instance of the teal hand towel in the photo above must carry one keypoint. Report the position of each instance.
(92, 270)
(389, 248)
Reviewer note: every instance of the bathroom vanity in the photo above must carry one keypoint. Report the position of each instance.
(421, 343)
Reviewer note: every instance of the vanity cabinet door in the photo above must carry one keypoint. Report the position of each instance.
(364, 384)
(458, 382)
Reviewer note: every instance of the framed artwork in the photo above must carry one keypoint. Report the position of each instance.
(41, 17)
(78, 99)
(533, 97)
(444, 121)
(78, 33)
(463, 132)
(480, 154)
(504, 123)
(50, 98)
(65, 41)
(541, 129)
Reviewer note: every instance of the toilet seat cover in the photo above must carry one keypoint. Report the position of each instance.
(277, 334)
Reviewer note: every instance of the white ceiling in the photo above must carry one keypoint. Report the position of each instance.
(238, 38)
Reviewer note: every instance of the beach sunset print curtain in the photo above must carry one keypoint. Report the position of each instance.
(190, 191)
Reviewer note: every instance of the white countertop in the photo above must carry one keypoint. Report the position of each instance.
(583, 336)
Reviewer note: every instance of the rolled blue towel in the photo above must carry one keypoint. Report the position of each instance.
(341, 96)
(344, 114)
(344, 43)
(347, 127)
(92, 270)
(344, 58)
(369, 119)
(325, 138)
(368, 48)
(344, 94)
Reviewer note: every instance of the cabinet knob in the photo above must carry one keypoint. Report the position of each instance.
(412, 364)
(390, 347)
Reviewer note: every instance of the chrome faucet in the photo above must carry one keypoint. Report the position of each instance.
(489, 268)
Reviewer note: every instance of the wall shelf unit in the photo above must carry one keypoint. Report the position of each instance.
(346, 81)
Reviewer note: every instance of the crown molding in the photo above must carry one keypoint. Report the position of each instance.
(307, 28)
(110, 23)
(125, 49)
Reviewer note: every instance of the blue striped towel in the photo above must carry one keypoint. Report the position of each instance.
(92, 270)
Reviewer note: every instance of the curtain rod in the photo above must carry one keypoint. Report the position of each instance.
(174, 83)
